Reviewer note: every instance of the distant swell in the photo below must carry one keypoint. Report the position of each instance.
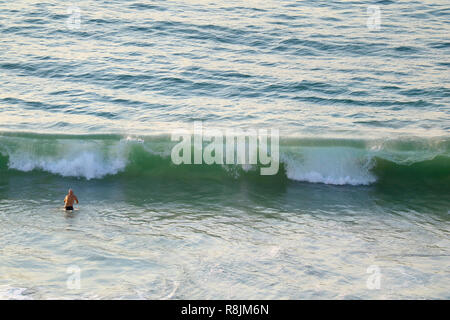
(328, 161)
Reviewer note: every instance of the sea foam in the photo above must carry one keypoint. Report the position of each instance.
(68, 158)
(329, 165)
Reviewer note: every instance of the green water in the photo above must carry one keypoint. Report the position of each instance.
(155, 230)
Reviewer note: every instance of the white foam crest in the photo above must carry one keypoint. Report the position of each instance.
(71, 159)
(329, 165)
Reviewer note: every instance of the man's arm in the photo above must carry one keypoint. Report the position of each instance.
(65, 199)
(76, 199)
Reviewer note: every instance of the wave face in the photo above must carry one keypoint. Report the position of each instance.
(330, 165)
(327, 161)
(64, 159)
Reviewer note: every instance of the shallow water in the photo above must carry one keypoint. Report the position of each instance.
(223, 241)
(364, 180)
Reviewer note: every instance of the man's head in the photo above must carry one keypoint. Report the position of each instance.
(70, 192)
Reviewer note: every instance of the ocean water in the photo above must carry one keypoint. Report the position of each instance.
(91, 92)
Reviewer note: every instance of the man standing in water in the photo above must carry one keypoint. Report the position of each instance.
(69, 200)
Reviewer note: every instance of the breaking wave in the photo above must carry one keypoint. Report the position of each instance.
(328, 161)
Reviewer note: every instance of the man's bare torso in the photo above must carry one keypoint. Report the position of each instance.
(70, 200)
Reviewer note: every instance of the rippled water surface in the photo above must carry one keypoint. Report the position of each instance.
(148, 66)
